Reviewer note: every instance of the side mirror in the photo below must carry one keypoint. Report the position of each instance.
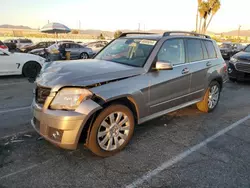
(163, 66)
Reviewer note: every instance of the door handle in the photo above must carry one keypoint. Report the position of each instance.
(185, 71)
(209, 64)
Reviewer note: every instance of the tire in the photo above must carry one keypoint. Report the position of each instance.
(31, 69)
(84, 56)
(99, 141)
(205, 105)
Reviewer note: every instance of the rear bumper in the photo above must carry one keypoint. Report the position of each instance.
(62, 128)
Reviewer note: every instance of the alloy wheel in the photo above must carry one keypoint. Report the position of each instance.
(113, 131)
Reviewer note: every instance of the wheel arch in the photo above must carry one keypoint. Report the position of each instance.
(127, 101)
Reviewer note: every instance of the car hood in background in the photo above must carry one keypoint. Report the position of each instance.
(243, 56)
(84, 73)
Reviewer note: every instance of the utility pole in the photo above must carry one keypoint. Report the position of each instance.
(79, 26)
(139, 25)
(239, 31)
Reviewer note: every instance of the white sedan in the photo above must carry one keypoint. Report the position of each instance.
(15, 63)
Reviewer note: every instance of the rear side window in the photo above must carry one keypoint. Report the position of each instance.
(210, 49)
(205, 53)
(195, 52)
(1, 43)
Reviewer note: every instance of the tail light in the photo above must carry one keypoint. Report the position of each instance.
(225, 67)
(3, 47)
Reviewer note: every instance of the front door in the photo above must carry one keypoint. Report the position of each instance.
(170, 88)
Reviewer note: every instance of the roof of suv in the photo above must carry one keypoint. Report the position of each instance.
(155, 36)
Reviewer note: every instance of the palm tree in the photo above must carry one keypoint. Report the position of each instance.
(197, 16)
(203, 10)
(215, 6)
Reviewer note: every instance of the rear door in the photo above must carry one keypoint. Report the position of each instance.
(200, 62)
(75, 51)
(170, 88)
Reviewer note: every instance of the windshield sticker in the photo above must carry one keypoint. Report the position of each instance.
(148, 42)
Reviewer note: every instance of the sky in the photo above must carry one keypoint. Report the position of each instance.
(112, 15)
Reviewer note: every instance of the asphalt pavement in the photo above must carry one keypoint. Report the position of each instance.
(186, 148)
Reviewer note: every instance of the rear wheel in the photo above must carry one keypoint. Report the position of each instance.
(111, 131)
(31, 69)
(84, 56)
(211, 98)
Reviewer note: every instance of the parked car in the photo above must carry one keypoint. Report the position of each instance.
(77, 51)
(97, 46)
(228, 49)
(3, 46)
(20, 64)
(39, 45)
(20, 43)
(239, 65)
(136, 78)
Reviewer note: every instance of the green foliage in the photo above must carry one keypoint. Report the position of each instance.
(117, 34)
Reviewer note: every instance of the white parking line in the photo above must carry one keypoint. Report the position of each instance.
(12, 83)
(14, 109)
(183, 155)
(25, 169)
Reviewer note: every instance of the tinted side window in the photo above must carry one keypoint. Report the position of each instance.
(210, 49)
(247, 49)
(25, 41)
(172, 51)
(205, 53)
(195, 52)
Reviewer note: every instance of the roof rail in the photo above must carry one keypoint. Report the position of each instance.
(168, 33)
(136, 33)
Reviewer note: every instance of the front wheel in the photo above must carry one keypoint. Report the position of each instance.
(31, 69)
(111, 131)
(211, 98)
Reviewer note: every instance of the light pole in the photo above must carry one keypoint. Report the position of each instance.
(239, 32)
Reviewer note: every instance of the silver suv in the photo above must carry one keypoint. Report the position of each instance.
(135, 78)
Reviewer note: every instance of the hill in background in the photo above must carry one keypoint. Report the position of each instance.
(6, 26)
(94, 32)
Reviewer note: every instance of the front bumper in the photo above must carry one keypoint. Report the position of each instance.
(236, 74)
(62, 128)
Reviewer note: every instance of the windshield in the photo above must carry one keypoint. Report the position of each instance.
(225, 45)
(133, 52)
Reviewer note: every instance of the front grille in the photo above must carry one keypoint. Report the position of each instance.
(243, 67)
(41, 94)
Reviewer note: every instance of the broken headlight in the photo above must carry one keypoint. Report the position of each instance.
(70, 98)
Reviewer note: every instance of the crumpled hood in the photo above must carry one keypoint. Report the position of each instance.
(84, 73)
(243, 56)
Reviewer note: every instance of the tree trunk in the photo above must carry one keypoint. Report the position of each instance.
(200, 25)
(204, 26)
(197, 20)
(209, 21)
